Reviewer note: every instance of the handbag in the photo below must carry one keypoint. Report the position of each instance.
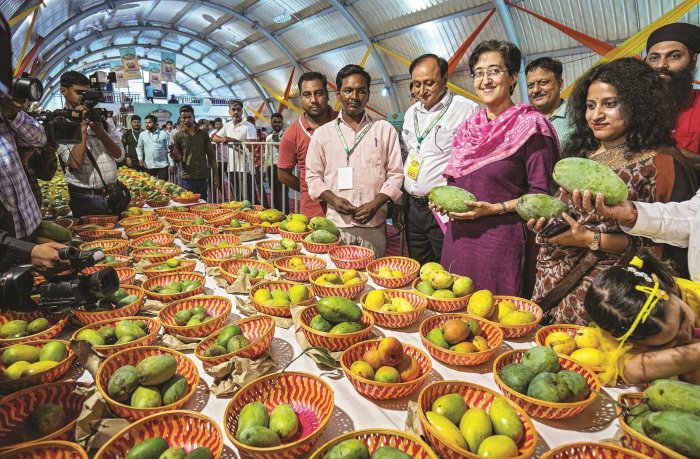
(117, 195)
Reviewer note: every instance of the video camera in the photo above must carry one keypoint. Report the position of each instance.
(59, 293)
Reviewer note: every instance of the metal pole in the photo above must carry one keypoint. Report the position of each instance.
(512, 35)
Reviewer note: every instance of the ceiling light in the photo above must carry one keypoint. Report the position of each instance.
(282, 18)
(385, 91)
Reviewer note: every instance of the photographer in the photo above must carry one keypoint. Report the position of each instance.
(92, 163)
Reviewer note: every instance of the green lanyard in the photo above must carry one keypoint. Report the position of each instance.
(436, 120)
(303, 128)
(358, 139)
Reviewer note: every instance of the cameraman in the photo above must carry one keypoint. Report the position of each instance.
(99, 140)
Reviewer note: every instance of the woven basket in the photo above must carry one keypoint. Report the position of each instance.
(376, 438)
(266, 249)
(214, 240)
(84, 227)
(311, 263)
(67, 223)
(347, 291)
(133, 356)
(475, 396)
(136, 220)
(132, 309)
(214, 257)
(179, 218)
(334, 342)
(521, 304)
(185, 266)
(218, 307)
(94, 235)
(229, 269)
(148, 340)
(98, 219)
(351, 256)
(137, 203)
(52, 449)
(186, 233)
(108, 246)
(15, 409)
(279, 311)
(165, 279)
(271, 229)
(592, 451)
(157, 239)
(540, 408)
(155, 254)
(120, 261)
(398, 319)
(191, 200)
(59, 323)
(313, 405)
(126, 276)
(443, 304)
(203, 208)
(260, 330)
(236, 231)
(41, 378)
(250, 216)
(166, 211)
(223, 219)
(317, 247)
(489, 330)
(380, 390)
(408, 266)
(144, 229)
(544, 332)
(637, 441)
(297, 237)
(160, 203)
(217, 214)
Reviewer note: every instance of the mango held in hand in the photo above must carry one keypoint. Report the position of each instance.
(538, 205)
(585, 174)
(451, 198)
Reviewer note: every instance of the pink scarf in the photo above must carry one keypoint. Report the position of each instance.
(479, 141)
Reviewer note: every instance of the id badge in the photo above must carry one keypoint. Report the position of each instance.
(414, 167)
(345, 178)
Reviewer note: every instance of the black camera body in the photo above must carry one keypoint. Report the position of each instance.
(26, 87)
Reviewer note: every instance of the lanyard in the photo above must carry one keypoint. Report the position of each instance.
(303, 128)
(358, 138)
(436, 120)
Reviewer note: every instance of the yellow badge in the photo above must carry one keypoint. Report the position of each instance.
(414, 167)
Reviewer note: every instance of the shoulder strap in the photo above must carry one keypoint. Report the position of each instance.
(94, 165)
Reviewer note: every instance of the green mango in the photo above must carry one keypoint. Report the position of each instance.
(505, 419)
(577, 384)
(148, 449)
(215, 351)
(676, 430)
(237, 343)
(228, 332)
(127, 300)
(452, 406)
(321, 223)
(537, 205)
(259, 437)
(108, 334)
(637, 423)
(20, 352)
(174, 389)
(173, 453)
(517, 376)
(339, 309)
(200, 453)
(43, 420)
(167, 291)
(284, 421)
(389, 452)
(476, 427)
(53, 351)
(156, 369)
(318, 323)
(119, 295)
(13, 327)
(348, 449)
(346, 327)
(671, 395)
(125, 339)
(197, 309)
(541, 359)
(129, 328)
(182, 317)
(123, 382)
(451, 198)
(91, 336)
(38, 326)
(585, 174)
(436, 337)
(322, 237)
(546, 386)
(252, 414)
(146, 397)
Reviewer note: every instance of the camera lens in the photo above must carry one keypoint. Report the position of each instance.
(27, 88)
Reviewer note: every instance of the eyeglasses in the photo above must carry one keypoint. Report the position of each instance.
(491, 73)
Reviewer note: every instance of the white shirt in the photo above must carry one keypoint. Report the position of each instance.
(243, 131)
(674, 223)
(436, 148)
(272, 152)
(87, 176)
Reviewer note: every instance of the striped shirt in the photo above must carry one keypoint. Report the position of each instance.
(16, 194)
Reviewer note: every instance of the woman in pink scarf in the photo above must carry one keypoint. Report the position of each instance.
(501, 153)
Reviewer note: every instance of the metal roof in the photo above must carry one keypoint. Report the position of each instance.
(223, 46)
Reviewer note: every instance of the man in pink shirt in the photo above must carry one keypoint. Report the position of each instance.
(354, 164)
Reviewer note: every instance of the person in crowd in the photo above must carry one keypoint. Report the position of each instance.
(622, 119)
(168, 127)
(129, 139)
(502, 152)
(40, 163)
(215, 127)
(354, 165)
(258, 149)
(313, 95)
(672, 50)
(234, 133)
(192, 148)
(647, 330)
(122, 108)
(91, 165)
(428, 129)
(149, 93)
(203, 124)
(280, 200)
(130, 107)
(544, 85)
(152, 150)
(173, 99)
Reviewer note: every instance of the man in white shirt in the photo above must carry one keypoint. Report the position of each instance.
(280, 200)
(428, 128)
(152, 149)
(240, 157)
(99, 141)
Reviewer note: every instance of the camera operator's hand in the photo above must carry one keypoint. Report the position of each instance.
(45, 258)
(97, 129)
(10, 107)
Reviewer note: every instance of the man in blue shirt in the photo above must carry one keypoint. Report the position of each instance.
(152, 149)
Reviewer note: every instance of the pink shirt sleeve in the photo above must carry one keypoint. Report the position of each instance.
(315, 167)
(394, 168)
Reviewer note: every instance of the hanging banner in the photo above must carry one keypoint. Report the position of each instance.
(130, 62)
(118, 70)
(168, 66)
(154, 71)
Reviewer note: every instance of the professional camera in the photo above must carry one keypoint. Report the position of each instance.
(26, 88)
(59, 293)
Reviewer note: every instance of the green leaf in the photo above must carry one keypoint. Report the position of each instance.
(322, 356)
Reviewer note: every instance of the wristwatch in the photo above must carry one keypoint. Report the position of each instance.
(595, 243)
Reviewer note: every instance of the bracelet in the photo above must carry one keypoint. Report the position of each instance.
(504, 208)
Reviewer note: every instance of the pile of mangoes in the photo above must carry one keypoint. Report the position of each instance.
(321, 237)
(296, 264)
(284, 244)
(492, 433)
(388, 363)
(19, 328)
(355, 448)
(23, 360)
(505, 312)
(170, 263)
(173, 287)
(252, 272)
(43, 421)
(153, 382)
(337, 315)
(194, 316)
(231, 339)
(159, 448)
(117, 300)
(258, 428)
(670, 415)
(270, 217)
(463, 336)
(297, 294)
(378, 300)
(125, 331)
(538, 376)
(349, 277)
(437, 282)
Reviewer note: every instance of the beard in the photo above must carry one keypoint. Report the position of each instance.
(679, 84)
